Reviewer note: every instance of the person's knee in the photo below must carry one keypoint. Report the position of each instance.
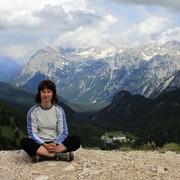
(77, 141)
(23, 143)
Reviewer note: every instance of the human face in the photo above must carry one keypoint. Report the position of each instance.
(46, 95)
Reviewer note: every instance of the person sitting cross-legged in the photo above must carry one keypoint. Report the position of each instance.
(48, 137)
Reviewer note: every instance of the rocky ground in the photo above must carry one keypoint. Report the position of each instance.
(93, 164)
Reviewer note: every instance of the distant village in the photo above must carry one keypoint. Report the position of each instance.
(111, 139)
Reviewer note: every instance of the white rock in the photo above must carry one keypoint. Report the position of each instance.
(69, 168)
(42, 177)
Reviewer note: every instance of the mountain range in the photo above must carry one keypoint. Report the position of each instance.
(8, 68)
(91, 75)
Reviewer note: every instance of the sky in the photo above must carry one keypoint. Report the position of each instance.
(29, 25)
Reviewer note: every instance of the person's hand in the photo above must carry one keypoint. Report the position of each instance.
(50, 147)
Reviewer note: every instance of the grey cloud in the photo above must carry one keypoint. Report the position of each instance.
(49, 11)
(53, 13)
(3, 21)
(85, 18)
(56, 16)
(173, 4)
(3, 26)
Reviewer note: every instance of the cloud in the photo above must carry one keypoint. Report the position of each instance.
(153, 24)
(57, 17)
(173, 4)
(26, 26)
(18, 19)
(87, 36)
(51, 13)
(42, 14)
(169, 35)
(17, 52)
(82, 37)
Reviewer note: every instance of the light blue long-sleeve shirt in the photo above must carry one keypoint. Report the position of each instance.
(47, 125)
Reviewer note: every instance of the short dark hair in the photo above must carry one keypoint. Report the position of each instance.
(49, 85)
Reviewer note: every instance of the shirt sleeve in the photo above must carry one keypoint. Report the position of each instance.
(32, 126)
(61, 127)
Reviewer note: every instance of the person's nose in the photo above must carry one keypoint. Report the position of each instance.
(45, 94)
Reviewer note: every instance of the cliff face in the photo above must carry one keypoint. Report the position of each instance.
(92, 164)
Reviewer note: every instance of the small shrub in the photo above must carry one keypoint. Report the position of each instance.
(171, 147)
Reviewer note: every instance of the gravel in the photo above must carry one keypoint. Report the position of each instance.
(93, 165)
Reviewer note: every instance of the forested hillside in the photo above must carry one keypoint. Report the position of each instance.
(12, 126)
(156, 120)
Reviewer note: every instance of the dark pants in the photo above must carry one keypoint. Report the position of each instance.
(72, 143)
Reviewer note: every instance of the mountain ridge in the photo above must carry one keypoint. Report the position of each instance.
(8, 68)
(94, 75)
